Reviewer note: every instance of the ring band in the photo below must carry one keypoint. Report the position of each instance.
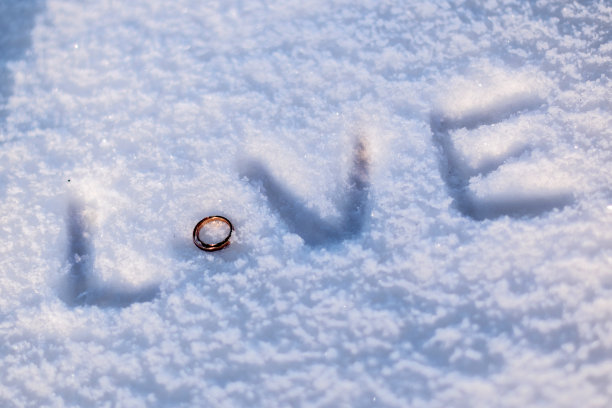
(211, 247)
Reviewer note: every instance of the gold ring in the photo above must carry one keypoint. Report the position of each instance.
(211, 247)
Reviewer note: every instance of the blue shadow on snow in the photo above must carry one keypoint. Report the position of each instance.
(17, 19)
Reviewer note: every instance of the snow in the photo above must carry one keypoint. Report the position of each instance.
(420, 193)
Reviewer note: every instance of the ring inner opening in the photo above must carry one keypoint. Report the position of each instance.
(214, 232)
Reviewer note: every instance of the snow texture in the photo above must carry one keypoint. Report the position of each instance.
(421, 194)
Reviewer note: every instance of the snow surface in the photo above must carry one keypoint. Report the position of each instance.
(421, 194)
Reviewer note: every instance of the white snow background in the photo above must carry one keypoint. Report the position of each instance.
(421, 194)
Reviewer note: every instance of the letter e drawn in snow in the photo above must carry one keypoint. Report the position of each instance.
(459, 175)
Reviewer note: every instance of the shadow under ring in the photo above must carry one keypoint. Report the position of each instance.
(211, 247)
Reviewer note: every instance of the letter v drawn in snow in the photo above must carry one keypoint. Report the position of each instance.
(491, 158)
(304, 221)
